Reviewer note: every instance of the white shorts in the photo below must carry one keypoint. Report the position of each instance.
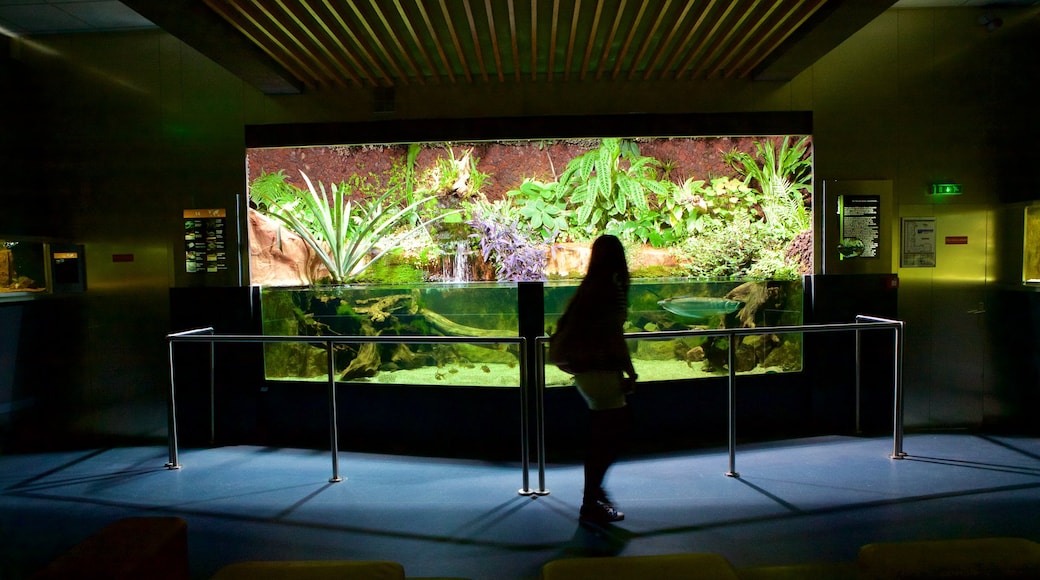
(602, 389)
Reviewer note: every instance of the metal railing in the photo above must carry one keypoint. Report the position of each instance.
(206, 335)
(863, 323)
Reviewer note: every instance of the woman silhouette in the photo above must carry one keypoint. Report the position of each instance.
(599, 308)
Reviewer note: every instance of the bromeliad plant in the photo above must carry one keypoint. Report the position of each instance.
(346, 236)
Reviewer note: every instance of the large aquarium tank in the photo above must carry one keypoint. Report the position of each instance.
(430, 239)
(490, 310)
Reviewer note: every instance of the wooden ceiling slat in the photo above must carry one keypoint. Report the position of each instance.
(475, 36)
(406, 22)
(440, 48)
(378, 43)
(534, 40)
(276, 18)
(677, 24)
(591, 40)
(320, 53)
(569, 58)
(280, 57)
(740, 18)
(495, 50)
(708, 37)
(366, 53)
(787, 24)
(609, 41)
(690, 35)
(515, 41)
(749, 40)
(622, 56)
(648, 39)
(552, 40)
(337, 51)
(395, 37)
(248, 21)
(328, 44)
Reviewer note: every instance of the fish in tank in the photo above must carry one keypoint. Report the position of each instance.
(490, 310)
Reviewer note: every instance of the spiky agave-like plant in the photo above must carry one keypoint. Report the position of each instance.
(346, 236)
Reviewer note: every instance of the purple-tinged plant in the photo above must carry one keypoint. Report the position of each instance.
(504, 244)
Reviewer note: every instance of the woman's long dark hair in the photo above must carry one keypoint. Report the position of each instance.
(607, 263)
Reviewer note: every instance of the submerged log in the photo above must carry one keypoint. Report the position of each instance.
(754, 295)
(453, 328)
(379, 309)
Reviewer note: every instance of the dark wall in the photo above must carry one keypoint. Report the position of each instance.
(108, 138)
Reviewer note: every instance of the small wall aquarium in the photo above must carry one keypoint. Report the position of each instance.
(490, 309)
(23, 269)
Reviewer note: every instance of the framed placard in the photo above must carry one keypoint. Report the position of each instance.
(860, 226)
(204, 243)
(918, 243)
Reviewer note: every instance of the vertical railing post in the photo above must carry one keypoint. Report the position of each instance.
(525, 443)
(171, 416)
(212, 393)
(530, 299)
(333, 420)
(732, 436)
(859, 362)
(540, 415)
(897, 412)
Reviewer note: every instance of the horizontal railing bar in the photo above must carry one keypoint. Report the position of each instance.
(181, 337)
(194, 331)
(196, 335)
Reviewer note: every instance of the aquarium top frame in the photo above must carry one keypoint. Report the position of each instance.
(529, 128)
(862, 323)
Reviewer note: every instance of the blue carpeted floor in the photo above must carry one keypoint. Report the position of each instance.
(801, 500)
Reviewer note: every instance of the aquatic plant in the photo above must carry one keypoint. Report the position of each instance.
(346, 236)
(504, 244)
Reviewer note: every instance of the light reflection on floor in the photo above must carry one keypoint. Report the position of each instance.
(801, 500)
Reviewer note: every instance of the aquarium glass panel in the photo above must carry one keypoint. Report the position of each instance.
(675, 305)
(465, 310)
(434, 310)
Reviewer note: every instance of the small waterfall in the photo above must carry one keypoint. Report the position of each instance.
(455, 265)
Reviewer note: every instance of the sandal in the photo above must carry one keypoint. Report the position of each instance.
(600, 512)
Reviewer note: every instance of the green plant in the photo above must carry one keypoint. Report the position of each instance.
(459, 176)
(647, 227)
(731, 249)
(608, 183)
(346, 237)
(783, 171)
(728, 199)
(502, 242)
(542, 207)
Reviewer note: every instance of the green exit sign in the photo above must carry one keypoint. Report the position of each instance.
(946, 189)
